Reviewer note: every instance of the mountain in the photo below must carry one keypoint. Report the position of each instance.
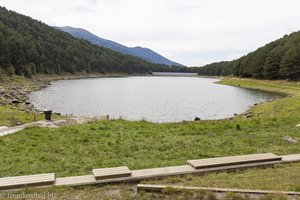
(28, 46)
(144, 53)
(279, 59)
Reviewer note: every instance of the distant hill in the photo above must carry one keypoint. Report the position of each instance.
(277, 60)
(28, 46)
(140, 52)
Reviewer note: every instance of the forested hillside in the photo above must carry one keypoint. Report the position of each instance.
(277, 60)
(29, 46)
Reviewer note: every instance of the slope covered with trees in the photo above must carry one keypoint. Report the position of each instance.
(29, 46)
(277, 60)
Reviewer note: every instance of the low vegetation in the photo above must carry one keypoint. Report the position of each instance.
(12, 116)
(75, 150)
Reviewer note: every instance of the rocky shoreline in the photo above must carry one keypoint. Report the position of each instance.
(15, 90)
(16, 95)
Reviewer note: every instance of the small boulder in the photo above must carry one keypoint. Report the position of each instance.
(27, 102)
(249, 114)
(21, 92)
(16, 101)
(2, 90)
(289, 139)
(13, 94)
(7, 96)
(18, 124)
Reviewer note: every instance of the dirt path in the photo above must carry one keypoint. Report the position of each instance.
(4, 130)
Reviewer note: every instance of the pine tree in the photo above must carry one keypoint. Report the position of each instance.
(290, 65)
(272, 65)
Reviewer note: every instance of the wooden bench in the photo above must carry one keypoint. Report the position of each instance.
(233, 160)
(115, 172)
(31, 180)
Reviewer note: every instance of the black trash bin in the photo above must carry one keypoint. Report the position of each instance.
(48, 114)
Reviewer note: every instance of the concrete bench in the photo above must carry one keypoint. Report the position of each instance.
(31, 180)
(233, 160)
(115, 172)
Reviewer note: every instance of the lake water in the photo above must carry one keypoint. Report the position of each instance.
(157, 99)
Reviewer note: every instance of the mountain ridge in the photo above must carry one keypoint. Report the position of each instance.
(141, 52)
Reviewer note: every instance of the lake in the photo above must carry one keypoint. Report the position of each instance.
(157, 99)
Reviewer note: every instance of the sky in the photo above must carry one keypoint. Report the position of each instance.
(191, 32)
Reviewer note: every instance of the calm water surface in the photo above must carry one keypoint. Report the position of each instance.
(158, 99)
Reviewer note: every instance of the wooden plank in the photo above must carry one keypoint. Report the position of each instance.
(155, 173)
(75, 180)
(291, 158)
(162, 171)
(159, 188)
(114, 172)
(30, 180)
(233, 160)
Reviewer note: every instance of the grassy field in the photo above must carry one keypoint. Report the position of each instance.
(11, 116)
(75, 150)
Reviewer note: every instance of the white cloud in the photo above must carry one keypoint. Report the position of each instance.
(192, 32)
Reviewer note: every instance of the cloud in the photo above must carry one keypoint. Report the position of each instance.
(190, 32)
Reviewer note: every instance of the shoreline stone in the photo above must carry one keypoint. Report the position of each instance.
(2, 90)
(289, 139)
(16, 101)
